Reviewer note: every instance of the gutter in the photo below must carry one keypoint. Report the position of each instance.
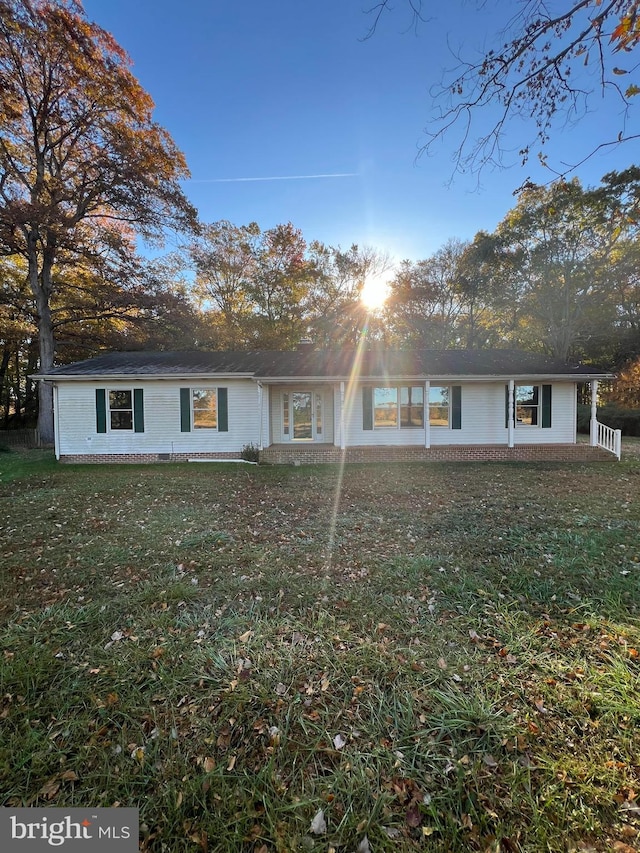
(274, 380)
(133, 377)
(445, 378)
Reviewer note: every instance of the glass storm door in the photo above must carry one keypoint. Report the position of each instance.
(302, 416)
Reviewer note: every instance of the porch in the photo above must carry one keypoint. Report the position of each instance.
(287, 454)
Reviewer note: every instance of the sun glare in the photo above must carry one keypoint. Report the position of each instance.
(374, 293)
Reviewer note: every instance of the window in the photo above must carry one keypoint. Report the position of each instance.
(527, 405)
(121, 410)
(385, 407)
(439, 405)
(411, 406)
(285, 414)
(401, 406)
(205, 408)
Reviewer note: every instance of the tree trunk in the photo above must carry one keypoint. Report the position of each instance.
(41, 288)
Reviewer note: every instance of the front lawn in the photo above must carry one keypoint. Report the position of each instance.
(396, 658)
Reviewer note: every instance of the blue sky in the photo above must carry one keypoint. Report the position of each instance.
(290, 88)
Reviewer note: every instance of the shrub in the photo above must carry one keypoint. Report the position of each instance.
(250, 453)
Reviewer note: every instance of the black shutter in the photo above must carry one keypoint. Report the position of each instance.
(456, 407)
(101, 410)
(223, 410)
(367, 408)
(185, 410)
(546, 406)
(138, 410)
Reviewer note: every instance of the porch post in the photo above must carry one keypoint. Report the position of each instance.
(342, 435)
(593, 426)
(511, 410)
(427, 424)
(260, 416)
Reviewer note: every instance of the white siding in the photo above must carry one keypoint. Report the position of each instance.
(77, 419)
(483, 419)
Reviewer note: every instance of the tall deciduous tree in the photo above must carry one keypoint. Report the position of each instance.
(82, 163)
(424, 306)
(223, 258)
(279, 287)
(565, 250)
(336, 315)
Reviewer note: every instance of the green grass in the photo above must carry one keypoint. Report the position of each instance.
(458, 672)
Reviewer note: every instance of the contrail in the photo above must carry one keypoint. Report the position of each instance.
(275, 178)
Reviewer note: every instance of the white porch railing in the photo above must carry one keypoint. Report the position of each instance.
(609, 439)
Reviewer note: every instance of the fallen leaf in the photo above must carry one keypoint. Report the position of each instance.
(69, 776)
(318, 824)
(442, 663)
(244, 637)
(50, 789)
(232, 762)
(364, 847)
(489, 760)
(339, 742)
(208, 764)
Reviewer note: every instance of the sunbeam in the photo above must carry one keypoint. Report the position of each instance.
(347, 407)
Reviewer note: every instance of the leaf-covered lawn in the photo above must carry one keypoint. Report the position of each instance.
(389, 658)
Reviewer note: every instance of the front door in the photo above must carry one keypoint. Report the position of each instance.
(302, 416)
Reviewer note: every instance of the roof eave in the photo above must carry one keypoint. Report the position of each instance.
(136, 377)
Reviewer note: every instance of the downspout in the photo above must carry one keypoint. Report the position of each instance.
(56, 426)
(427, 419)
(593, 425)
(342, 436)
(261, 416)
(510, 421)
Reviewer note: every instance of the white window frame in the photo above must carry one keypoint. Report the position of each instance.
(110, 409)
(398, 406)
(537, 394)
(439, 406)
(201, 389)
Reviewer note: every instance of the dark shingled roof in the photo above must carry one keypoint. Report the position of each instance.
(337, 364)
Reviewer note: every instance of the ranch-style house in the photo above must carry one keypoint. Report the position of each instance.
(312, 405)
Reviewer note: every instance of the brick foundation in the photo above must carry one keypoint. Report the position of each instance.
(123, 458)
(279, 455)
(310, 455)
